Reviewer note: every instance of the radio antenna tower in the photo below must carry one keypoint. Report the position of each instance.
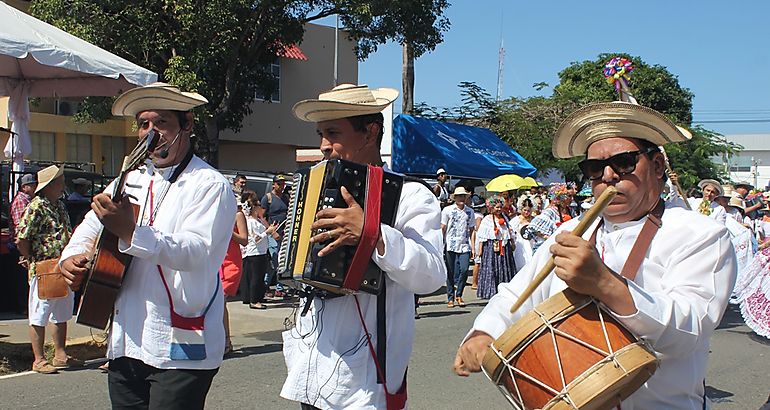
(500, 61)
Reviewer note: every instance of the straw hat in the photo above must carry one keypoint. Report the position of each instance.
(737, 202)
(344, 100)
(703, 182)
(460, 191)
(598, 121)
(728, 191)
(156, 96)
(745, 184)
(46, 175)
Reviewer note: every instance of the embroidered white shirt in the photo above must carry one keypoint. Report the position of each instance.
(188, 239)
(680, 292)
(328, 362)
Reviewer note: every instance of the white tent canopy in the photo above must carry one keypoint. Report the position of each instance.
(40, 60)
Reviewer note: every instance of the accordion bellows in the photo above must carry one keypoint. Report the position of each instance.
(316, 188)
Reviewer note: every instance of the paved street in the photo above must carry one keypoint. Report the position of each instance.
(253, 377)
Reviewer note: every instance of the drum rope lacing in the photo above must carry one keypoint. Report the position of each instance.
(549, 325)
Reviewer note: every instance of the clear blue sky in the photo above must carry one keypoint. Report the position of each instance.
(718, 49)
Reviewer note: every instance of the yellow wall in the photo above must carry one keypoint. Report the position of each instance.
(60, 126)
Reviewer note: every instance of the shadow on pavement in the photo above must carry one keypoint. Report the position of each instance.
(718, 396)
(254, 350)
(266, 336)
(759, 339)
(732, 318)
(448, 312)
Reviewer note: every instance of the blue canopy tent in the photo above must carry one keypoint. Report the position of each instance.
(421, 146)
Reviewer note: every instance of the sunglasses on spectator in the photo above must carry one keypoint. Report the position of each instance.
(623, 163)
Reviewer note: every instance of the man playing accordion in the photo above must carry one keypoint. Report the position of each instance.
(328, 356)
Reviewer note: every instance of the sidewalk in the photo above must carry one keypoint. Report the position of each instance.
(14, 328)
(83, 342)
(16, 354)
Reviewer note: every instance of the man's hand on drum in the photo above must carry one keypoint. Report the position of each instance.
(471, 353)
(74, 270)
(342, 226)
(581, 268)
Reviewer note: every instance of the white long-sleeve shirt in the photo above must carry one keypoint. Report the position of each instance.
(718, 212)
(328, 361)
(257, 244)
(188, 239)
(680, 292)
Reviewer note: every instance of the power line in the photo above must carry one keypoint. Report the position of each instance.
(738, 121)
(729, 111)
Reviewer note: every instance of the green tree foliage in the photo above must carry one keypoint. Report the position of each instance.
(529, 124)
(220, 48)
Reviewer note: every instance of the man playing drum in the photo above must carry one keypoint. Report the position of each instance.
(679, 292)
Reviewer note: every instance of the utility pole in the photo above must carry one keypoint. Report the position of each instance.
(336, 48)
(755, 169)
(500, 61)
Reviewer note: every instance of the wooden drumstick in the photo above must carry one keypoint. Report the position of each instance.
(678, 187)
(590, 216)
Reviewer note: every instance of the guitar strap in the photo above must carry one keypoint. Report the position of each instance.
(182, 166)
(174, 176)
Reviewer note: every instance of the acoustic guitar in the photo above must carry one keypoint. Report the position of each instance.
(107, 266)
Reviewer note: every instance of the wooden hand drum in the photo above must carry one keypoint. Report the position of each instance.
(568, 353)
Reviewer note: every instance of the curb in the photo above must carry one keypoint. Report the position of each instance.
(85, 340)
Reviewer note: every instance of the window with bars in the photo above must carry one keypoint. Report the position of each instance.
(275, 69)
(78, 148)
(43, 146)
(113, 152)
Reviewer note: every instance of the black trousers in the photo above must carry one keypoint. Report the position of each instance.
(253, 278)
(136, 385)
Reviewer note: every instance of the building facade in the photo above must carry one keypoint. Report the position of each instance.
(268, 140)
(751, 163)
(271, 135)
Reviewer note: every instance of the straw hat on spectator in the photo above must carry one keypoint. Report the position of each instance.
(737, 202)
(728, 191)
(703, 182)
(460, 191)
(46, 175)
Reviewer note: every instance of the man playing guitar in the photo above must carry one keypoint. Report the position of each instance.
(167, 337)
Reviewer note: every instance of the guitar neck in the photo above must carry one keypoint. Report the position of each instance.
(134, 160)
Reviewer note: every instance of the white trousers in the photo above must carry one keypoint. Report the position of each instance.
(42, 311)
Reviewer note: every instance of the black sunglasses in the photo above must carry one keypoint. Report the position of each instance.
(623, 163)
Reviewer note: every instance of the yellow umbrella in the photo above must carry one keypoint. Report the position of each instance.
(505, 183)
(530, 182)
